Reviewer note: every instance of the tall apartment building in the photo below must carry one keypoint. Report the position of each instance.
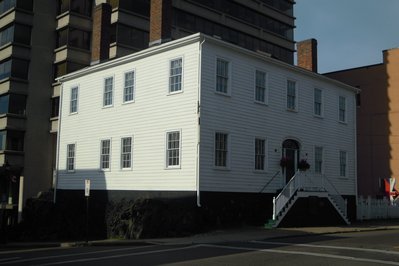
(42, 40)
(377, 121)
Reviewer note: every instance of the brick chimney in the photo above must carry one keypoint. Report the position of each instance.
(101, 33)
(307, 54)
(160, 21)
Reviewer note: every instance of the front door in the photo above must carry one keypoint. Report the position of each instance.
(291, 153)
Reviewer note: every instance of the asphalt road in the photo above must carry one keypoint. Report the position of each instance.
(361, 248)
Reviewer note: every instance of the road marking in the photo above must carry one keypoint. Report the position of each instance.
(328, 247)
(303, 253)
(121, 255)
(8, 259)
(76, 254)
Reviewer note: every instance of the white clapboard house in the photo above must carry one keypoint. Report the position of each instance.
(198, 117)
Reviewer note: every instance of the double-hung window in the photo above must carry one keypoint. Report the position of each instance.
(175, 75)
(342, 163)
(221, 149)
(317, 102)
(71, 149)
(342, 109)
(291, 95)
(126, 153)
(73, 105)
(260, 154)
(108, 91)
(105, 154)
(318, 160)
(260, 87)
(128, 90)
(222, 76)
(173, 149)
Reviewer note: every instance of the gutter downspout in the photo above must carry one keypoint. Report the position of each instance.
(355, 143)
(199, 123)
(55, 182)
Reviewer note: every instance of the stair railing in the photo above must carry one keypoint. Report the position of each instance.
(265, 186)
(335, 195)
(286, 194)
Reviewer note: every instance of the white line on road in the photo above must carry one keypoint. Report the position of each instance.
(328, 247)
(76, 254)
(303, 253)
(121, 255)
(8, 259)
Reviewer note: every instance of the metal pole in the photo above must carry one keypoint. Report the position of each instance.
(274, 208)
(87, 219)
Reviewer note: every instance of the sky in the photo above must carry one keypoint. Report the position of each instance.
(349, 33)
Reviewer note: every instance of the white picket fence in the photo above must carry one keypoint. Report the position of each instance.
(370, 208)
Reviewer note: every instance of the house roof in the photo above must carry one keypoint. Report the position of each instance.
(200, 37)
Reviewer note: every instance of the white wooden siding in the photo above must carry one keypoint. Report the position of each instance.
(245, 120)
(153, 112)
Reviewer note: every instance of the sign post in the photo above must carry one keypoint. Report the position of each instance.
(87, 195)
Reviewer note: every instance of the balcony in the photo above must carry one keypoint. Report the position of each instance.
(74, 20)
(10, 121)
(14, 85)
(10, 49)
(54, 125)
(77, 55)
(16, 15)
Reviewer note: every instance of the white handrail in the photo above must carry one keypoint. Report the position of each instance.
(286, 194)
(301, 180)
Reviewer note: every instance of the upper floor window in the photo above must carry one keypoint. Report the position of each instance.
(342, 163)
(221, 149)
(260, 154)
(318, 160)
(260, 87)
(291, 95)
(105, 154)
(342, 109)
(6, 5)
(12, 140)
(7, 35)
(14, 67)
(128, 90)
(13, 104)
(73, 38)
(126, 153)
(222, 76)
(108, 91)
(175, 75)
(70, 157)
(173, 148)
(317, 97)
(83, 7)
(55, 106)
(73, 106)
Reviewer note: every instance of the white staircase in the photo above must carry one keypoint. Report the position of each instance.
(303, 185)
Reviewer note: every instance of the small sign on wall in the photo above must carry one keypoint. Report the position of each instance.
(87, 187)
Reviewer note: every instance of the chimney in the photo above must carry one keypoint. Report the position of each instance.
(307, 54)
(160, 21)
(101, 33)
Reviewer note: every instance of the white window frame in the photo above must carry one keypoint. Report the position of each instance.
(132, 86)
(343, 164)
(169, 149)
(104, 154)
(344, 110)
(105, 93)
(227, 151)
(122, 153)
(264, 87)
(321, 102)
(74, 100)
(317, 160)
(69, 157)
(296, 95)
(172, 76)
(227, 79)
(264, 154)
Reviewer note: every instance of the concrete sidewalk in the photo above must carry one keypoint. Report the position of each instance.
(236, 234)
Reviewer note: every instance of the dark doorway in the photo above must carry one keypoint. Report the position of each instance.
(291, 153)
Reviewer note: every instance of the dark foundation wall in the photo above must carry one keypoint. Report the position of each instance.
(160, 213)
